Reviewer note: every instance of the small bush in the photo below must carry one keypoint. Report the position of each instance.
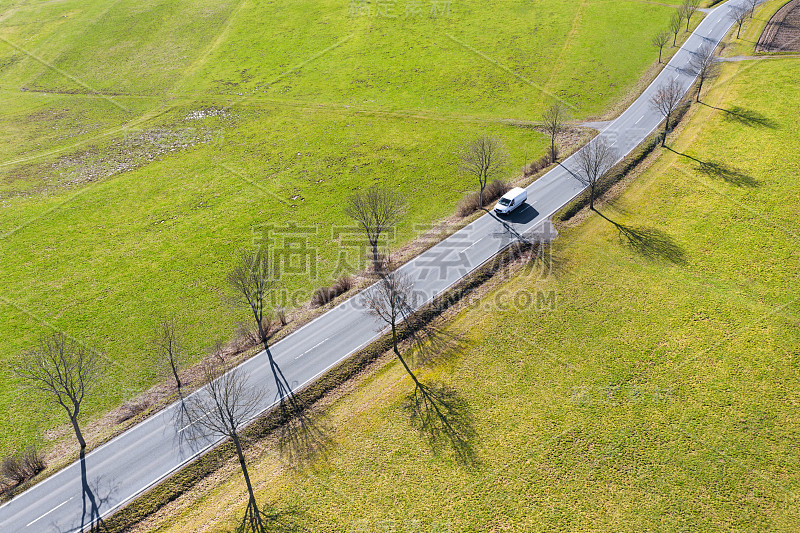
(281, 314)
(325, 295)
(322, 296)
(534, 167)
(468, 204)
(343, 284)
(13, 470)
(130, 410)
(495, 190)
(471, 202)
(33, 460)
(17, 469)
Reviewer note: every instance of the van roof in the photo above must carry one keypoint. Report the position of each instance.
(513, 192)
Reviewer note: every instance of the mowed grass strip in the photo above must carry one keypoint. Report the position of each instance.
(658, 393)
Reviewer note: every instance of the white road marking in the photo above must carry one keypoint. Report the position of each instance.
(320, 343)
(471, 245)
(193, 421)
(48, 512)
(640, 119)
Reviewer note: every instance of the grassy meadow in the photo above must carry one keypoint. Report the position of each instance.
(658, 394)
(143, 142)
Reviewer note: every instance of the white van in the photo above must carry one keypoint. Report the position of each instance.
(511, 200)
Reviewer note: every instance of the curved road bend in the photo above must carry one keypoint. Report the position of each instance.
(118, 471)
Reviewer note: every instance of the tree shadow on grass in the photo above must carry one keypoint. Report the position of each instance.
(723, 171)
(444, 418)
(258, 520)
(650, 243)
(726, 173)
(746, 117)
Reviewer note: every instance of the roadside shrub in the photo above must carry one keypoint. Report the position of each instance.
(33, 460)
(17, 469)
(535, 166)
(494, 190)
(325, 295)
(471, 202)
(13, 470)
(322, 296)
(343, 284)
(281, 314)
(130, 410)
(468, 204)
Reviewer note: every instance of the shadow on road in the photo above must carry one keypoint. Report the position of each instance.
(521, 215)
(746, 117)
(723, 171)
(649, 242)
(91, 502)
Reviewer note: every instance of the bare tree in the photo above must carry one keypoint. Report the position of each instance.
(64, 370)
(675, 25)
(688, 9)
(753, 5)
(594, 160)
(301, 438)
(554, 119)
(252, 279)
(376, 211)
(222, 408)
(704, 66)
(437, 411)
(739, 15)
(484, 158)
(665, 101)
(169, 348)
(660, 40)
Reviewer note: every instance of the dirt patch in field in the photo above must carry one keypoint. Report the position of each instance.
(782, 33)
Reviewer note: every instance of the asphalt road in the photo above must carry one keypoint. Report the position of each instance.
(123, 468)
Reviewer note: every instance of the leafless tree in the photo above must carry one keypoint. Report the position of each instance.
(436, 410)
(665, 101)
(739, 15)
(301, 438)
(253, 281)
(484, 158)
(594, 160)
(704, 66)
(675, 25)
(554, 119)
(169, 347)
(660, 40)
(753, 5)
(63, 369)
(688, 9)
(222, 408)
(376, 211)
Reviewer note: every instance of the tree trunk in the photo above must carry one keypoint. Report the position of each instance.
(175, 373)
(666, 129)
(76, 427)
(243, 464)
(252, 504)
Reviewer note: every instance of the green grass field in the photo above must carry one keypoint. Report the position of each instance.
(142, 143)
(659, 394)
